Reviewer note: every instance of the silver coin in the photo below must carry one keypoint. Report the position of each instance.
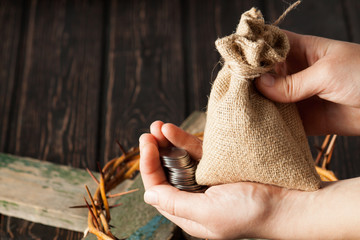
(180, 169)
(189, 188)
(178, 163)
(173, 153)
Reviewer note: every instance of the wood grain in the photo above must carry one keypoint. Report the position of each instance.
(10, 31)
(144, 72)
(350, 145)
(57, 97)
(11, 14)
(320, 18)
(50, 189)
(351, 9)
(57, 94)
(77, 75)
(204, 22)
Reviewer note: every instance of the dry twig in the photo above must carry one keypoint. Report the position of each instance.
(114, 172)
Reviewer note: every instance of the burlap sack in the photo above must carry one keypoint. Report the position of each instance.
(248, 137)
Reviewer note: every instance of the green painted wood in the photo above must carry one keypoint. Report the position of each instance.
(42, 192)
(76, 75)
(54, 108)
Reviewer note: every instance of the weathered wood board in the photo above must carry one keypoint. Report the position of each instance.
(42, 192)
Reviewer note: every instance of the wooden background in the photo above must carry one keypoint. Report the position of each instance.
(75, 75)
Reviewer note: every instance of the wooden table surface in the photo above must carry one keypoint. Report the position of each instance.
(75, 76)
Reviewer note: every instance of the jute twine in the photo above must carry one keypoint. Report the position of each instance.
(247, 136)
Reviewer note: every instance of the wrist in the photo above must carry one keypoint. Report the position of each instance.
(329, 213)
(287, 215)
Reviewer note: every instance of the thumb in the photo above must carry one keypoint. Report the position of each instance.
(289, 88)
(177, 203)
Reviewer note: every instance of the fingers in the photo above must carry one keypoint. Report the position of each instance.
(303, 75)
(176, 203)
(306, 49)
(294, 87)
(150, 167)
(171, 202)
(155, 129)
(161, 136)
(182, 139)
(167, 134)
(191, 227)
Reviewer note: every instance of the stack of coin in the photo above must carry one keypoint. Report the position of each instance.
(180, 169)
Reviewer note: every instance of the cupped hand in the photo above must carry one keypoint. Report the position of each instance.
(238, 210)
(323, 77)
(222, 212)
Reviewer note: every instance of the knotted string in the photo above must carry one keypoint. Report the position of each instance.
(254, 52)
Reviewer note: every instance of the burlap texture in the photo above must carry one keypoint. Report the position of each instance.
(248, 137)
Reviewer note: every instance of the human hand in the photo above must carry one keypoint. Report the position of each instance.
(246, 209)
(222, 212)
(323, 77)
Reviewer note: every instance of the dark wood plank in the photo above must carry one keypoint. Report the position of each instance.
(160, 58)
(10, 28)
(204, 22)
(351, 9)
(30, 230)
(321, 18)
(327, 19)
(352, 144)
(144, 80)
(10, 32)
(57, 96)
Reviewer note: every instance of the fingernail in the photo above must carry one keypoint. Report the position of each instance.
(267, 80)
(151, 197)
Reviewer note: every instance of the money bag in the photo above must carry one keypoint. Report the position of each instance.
(248, 137)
